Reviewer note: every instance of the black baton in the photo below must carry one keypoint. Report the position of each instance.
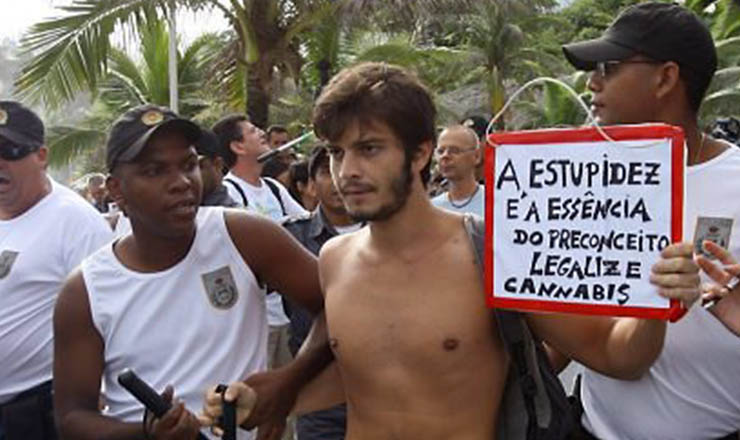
(228, 420)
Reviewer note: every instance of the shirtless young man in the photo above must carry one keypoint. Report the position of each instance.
(417, 351)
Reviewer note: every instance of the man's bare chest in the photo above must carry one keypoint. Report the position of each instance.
(408, 316)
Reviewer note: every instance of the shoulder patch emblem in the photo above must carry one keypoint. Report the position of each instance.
(7, 258)
(221, 288)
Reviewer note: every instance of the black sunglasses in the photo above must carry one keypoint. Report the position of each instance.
(10, 151)
(606, 68)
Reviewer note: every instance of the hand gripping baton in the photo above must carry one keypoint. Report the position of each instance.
(146, 395)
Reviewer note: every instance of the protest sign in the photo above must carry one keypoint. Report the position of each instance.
(574, 222)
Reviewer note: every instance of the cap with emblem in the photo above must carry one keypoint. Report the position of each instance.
(131, 132)
(21, 128)
(661, 31)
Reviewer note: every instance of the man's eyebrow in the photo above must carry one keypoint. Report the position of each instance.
(146, 161)
(368, 140)
(360, 142)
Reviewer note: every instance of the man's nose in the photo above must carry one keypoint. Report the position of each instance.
(594, 81)
(349, 167)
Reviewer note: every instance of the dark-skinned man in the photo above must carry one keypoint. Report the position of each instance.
(180, 300)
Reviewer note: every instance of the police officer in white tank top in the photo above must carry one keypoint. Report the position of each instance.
(180, 300)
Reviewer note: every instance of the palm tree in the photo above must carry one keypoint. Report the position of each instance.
(131, 82)
(73, 51)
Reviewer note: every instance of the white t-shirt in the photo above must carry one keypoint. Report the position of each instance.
(38, 249)
(196, 324)
(474, 205)
(262, 201)
(693, 390)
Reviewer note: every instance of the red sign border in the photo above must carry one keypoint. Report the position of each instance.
(586, 134)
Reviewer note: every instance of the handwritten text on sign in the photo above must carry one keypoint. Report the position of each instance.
(581, 222)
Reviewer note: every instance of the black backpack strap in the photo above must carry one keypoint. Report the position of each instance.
(276, 192)
(518, 342)
(238, 189)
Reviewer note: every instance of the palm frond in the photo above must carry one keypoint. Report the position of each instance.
(124, 86)
(720, 104)
(725, 19)
(226, 74)
(726, 78)
(69, 54)
(67, 143)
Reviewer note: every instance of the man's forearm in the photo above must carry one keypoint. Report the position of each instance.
(277, 389)
(90, 425)
(315, 354)
(634, 345)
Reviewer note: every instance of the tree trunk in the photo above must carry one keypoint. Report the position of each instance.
(258, 100)
(324, 68)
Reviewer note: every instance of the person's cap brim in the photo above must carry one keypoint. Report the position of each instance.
(190, 129)
(18, 138)
(585, 54)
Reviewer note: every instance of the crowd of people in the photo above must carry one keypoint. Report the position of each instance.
(338, 294)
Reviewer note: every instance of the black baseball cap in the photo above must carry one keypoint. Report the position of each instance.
(208, 144)
(661, 31)
(22, 128)
(131, 132)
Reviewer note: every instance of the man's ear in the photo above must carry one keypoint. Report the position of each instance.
(668, 79)
(113, 184)
(478, 153)
(237, 147)
(422, 156)
(42, 154)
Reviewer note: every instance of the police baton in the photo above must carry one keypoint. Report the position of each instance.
(264, 157)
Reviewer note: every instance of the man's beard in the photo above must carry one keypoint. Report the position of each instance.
(400, 190)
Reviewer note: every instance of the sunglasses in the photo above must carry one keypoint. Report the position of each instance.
(10, 151)
(608, 68)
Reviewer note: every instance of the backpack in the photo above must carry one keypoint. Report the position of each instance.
(270, 184)
(534, 405)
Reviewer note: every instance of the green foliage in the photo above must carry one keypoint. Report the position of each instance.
(130, 83)
(278, 53)
(70, 54)
(551, 105)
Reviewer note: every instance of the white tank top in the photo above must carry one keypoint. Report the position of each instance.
(198, 323)
(692, 392)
